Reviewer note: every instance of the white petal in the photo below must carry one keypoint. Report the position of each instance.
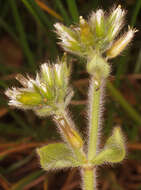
(99, 15)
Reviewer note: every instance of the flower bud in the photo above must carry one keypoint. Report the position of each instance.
(47, 73)
(117, 15)
(64, 32)
(119, 45)
(115, 21)
(68, 39)
(69, 133)
(61, 71)
(74, 138)
(99, 24)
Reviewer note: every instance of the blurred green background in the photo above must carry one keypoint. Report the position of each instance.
(27, 39)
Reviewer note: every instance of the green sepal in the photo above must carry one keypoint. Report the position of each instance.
(44, 111)
(114, 150)
(56, 156)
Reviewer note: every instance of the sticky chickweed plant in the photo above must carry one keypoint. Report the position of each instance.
(97, 40)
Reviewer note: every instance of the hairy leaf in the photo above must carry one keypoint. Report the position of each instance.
(114, 149)
(56, 156)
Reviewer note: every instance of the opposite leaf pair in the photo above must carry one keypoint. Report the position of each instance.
(59, 156)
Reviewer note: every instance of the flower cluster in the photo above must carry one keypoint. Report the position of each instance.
(97, 35)
(96, 40)
(47, 94)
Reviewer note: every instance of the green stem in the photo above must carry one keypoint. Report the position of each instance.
(88, 179)
(94, 116)
(95, 96)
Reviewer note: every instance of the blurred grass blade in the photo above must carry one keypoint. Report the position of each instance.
(18, 119)
(7, 129)
(46, 183)
(114, 184)
(41, 14)
(135, 12)
(32, 11)
(8, 29)
(3, 84)
(49, 10)
(22, 35)
(63, 12)
(95, 4)
(138, 63)
(73, 10)
(26, 180)
(129, 109)
(41, 17)
(4, 10)
(122, 67)
(19, 164)
(4, 183)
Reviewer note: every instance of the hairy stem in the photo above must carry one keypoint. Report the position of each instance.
(95, 100)
(94, 117)
(88, 178)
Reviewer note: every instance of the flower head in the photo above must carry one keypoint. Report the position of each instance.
(47, 94)
(93, 36)
(96, 39)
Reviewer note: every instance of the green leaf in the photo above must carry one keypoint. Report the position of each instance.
(114, 149)
(56, 156)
